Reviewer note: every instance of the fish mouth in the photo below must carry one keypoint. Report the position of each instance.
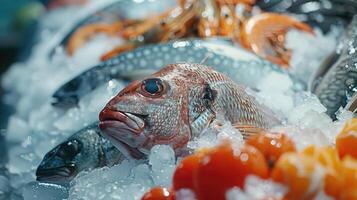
(123, 129)
(56, 174)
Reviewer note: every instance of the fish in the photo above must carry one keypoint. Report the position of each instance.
(145, 60)
(318, 13)
(338, 83)
(175, 104)
(84, 150)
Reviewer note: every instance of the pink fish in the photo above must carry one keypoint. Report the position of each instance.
(175, 105)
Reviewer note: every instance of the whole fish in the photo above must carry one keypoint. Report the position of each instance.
(175, 104)
(84, 150)
(146, 60)
(339, 83)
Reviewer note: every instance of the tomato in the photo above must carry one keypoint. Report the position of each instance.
(295, 171)
(346, 141)
(227, 166)
(349, 172)
(272, 145)
(305, 173)
(184, 174)
(158, 193)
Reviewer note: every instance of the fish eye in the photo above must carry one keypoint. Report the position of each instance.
(70, 149)
(152, 87)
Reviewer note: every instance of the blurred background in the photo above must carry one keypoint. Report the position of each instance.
(18, 21)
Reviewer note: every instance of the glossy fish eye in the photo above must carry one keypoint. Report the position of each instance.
(70, 149)
(152, 86)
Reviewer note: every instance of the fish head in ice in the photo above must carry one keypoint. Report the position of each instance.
(60, 163)
(160, 109)
(80, 152)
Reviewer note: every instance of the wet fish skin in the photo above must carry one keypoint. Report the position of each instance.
(184, 101)
(323, 14)
(84, 150)
(340, 82)
(144, 61)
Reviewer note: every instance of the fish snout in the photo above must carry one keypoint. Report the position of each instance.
(58, 165)
(122, 127)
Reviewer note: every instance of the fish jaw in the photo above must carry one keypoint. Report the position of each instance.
(63, 174)
(124, 130)
(55, 169)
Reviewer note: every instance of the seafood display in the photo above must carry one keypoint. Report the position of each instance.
(202, 18)
(184, 100)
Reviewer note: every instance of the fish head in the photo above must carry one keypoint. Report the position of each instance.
(156, 110)
(61, 163)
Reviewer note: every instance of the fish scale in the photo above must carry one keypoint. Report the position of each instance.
(336, 88)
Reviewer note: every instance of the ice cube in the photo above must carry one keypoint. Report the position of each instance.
(44, 191)
(309, 51)
(162, 161)
(237, 193)
(259, 188)
(229, 132)
(17, 129)
(185, 194)
(256, 188)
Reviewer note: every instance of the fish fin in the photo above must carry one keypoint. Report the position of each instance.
(247, 130)
(202, 121)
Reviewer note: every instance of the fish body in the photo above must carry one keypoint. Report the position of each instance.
(145, 60)
(84, 150)
(175, 105)
(339, 83)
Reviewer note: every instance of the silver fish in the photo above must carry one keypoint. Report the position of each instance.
(339, 82)
(237, 63)
(84, 150)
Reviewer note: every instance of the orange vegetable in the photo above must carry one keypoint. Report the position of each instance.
(350, 179)
(295, 171)
(158, 193)
(309, 171)
(184, 174)
(272, 145)
(328, 158)
(346, 141)
(224, 167)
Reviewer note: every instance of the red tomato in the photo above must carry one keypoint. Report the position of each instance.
(226, 166)
(158, 193)
(183, 176)
(346, 140)
(272, 145)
